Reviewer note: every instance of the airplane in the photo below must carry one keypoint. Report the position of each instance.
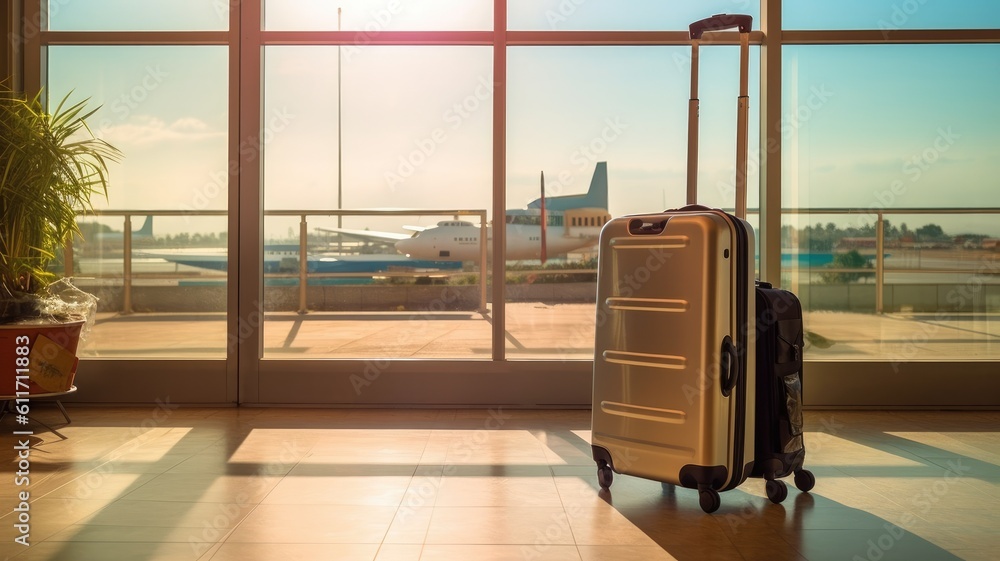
(444, 246)
(284, 258)
(579, 217)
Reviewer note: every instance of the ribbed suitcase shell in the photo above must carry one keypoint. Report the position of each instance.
(673, 367)
(667, 300)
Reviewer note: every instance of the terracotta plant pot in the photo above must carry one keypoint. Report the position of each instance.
(50, 350)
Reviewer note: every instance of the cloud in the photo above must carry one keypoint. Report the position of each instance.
(144, 129)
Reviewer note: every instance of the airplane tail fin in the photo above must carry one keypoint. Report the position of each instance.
(147, 228)
(597, 195)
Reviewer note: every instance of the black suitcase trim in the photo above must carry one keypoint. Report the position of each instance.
(742, 337)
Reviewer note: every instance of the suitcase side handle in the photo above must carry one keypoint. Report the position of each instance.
(720, 22)
(729, 368)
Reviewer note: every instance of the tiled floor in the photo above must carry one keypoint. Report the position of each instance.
(304, 484)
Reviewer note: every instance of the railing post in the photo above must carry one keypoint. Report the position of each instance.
(127, 265)
(483, 235)
(303, 264)
(879, 261)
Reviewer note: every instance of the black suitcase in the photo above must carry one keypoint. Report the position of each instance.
(780, 450)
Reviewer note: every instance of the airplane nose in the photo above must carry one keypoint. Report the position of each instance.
(403, 246)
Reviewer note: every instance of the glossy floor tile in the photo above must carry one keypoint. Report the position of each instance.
(434, 485)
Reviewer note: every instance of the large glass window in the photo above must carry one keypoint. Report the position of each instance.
(175, 171)
(890, 15)
(608, 15)
(370, 17)
(364, 165)
(128, 15)
(897, 149)
(608, 128)
(411, 130)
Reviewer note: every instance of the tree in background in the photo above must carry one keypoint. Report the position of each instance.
(932, 233)
(850, 260)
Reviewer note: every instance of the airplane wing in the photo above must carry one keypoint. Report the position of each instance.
(367, 235)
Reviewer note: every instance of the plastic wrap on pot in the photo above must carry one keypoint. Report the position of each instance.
(62, 299)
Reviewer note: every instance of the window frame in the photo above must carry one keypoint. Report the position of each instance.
(245, 378)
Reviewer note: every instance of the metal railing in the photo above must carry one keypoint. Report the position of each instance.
(303, 274)
(878, 216)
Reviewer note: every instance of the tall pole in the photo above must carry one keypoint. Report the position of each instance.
(340, 167)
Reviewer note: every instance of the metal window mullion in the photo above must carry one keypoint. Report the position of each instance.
(34, 58)
(12, 66)
(770, 142)
(499, 266)
(233, 220)
(234, 45)
(114, 38)
(900, 36)
(630, 38)
(246, 274)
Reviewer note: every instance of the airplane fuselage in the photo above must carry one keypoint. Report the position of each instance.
(459, 241)
(284, 258)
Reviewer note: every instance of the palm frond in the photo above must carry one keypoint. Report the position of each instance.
(51, 167)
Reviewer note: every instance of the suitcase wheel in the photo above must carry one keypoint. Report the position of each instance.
(776, 490)
(805, 480)
(709, 500)
(605, 476)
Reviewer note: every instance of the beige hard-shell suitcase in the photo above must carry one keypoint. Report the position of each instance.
(674, 351)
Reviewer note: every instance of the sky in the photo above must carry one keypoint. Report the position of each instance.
(865, 126)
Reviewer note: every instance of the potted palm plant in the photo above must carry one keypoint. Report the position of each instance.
(51, 167)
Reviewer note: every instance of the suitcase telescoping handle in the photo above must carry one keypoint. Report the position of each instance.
(720, 22)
